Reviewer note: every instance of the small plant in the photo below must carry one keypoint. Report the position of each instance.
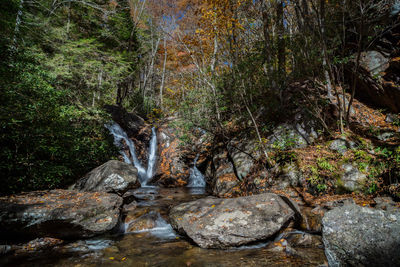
(324, 164)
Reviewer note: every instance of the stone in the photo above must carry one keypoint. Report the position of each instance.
(376, 81)
(361, 236)
(144, 222)
(390, 118)
(244, 153)
(222, 223)
(386, 203)
(58, 213)
(341, 145)
(385, 136)
(224, 183)
(111, 177)
(290, 176)
(351, 179)
(305, 240)
(297, 134)
(173, 164)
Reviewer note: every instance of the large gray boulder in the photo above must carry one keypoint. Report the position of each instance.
(361, 236)
(58, 213)
(221, 223)
(112, 177)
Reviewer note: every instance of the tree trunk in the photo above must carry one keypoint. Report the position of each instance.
(163, 73)
(281, 43)
(18, 20)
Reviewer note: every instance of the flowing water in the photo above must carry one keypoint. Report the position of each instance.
(197, 182)
(145, 238)
(119, 136)
(154, 243)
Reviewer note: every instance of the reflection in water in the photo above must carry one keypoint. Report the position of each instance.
(159, 245)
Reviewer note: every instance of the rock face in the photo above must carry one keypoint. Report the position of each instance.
(222, 223)
(377, 80)
(132, 123)
(360, 236)
(352, 179)
(172, 167)
(112, 177)
(236, 160)
(58, 213)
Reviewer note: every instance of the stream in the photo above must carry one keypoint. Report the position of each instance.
(145, 238)
(152, 242)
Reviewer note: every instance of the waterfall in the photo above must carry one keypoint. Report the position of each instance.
(196, 178)
(152, 156)
(119, 135)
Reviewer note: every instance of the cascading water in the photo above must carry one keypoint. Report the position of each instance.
(196, 178)
(152, 156)
(119, 135)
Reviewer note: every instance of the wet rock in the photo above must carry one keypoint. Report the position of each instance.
(111, 177)
(58, 213)
(173, 163)
(222, 223)
(144, 222)
(351, 179)
(129, 207)
(341, 145)
(38, 244)
(132, 123)
(305, 240)
(361, 236)
(312, 219)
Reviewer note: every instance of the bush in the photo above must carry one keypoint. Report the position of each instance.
(46, 141)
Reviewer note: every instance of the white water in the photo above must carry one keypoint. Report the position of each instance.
(161, 228)
(119, 135)
(196, 178)
(152, 156)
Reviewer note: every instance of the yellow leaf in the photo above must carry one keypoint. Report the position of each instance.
(111, 258)
(213, 206)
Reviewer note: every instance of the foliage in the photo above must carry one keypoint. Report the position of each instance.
(47, 142)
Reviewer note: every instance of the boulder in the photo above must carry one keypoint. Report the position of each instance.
(361, 236)
(300, 133)
(341, 145)
(111, 177)
(237, 160)
(174, 159)
(244, 153)
(224, 183)
(351, 179)
(377, 80)
(132, 123)
(290, 175)
(222, 223)
(58, 213)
